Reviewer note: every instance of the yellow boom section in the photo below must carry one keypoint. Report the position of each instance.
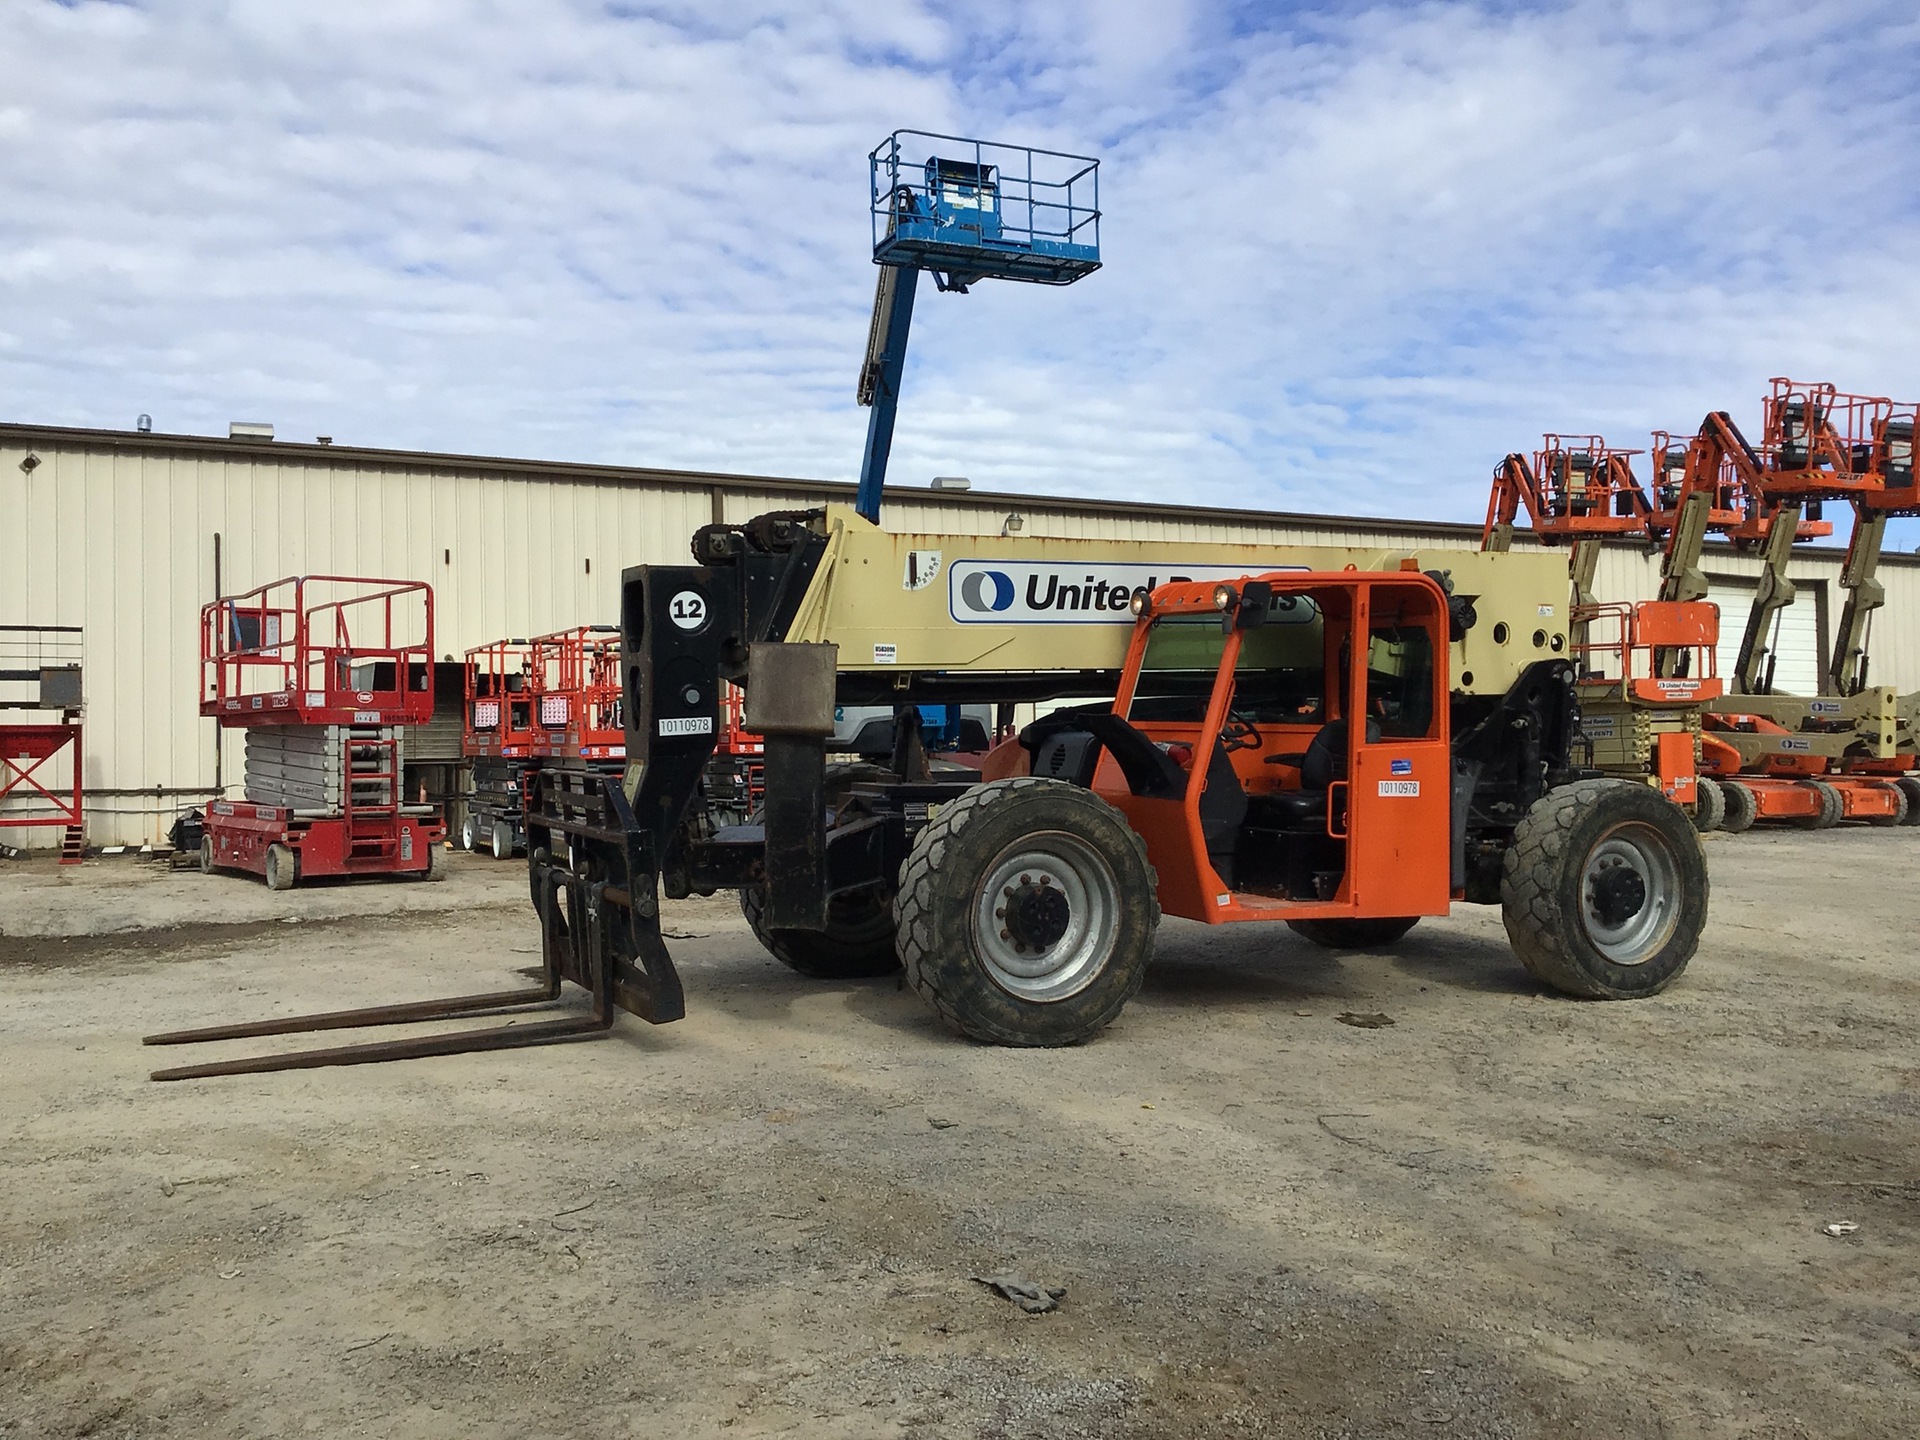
(1029, 603)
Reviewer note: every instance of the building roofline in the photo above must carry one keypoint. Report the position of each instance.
(139, 441)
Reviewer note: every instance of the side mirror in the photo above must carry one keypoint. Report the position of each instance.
(1256, 603)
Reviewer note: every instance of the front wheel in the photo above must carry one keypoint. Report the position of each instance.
(858, 941)
(1027, 912)
(282, 867)
(1604, 891)
(1910, 787)
(206, 854)
(1832, 807)
(467, 833)
(1372, 934)
(503, 839)
(1742, 807)
(1902, 809)
(1709, 805)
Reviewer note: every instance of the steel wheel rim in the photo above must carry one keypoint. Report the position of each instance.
(1624, 856)
(1069, 866)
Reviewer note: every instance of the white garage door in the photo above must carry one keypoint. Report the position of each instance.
(1796, 665)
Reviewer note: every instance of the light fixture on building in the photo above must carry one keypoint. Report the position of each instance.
(249, 430)
(1013, 524)
(30, 464)
(952, 482)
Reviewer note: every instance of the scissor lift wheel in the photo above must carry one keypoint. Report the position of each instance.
(283, 868)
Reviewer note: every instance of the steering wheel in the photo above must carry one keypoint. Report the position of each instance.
(1239, 733)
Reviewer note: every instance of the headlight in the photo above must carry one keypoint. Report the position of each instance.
(1140, 604)
(1225, 597)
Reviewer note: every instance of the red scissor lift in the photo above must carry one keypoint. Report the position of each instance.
(557, 699)
(499, 737)
(323, 673)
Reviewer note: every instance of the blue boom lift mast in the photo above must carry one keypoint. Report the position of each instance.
(963, 210)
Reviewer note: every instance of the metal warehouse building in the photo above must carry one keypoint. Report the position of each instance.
(122, 534)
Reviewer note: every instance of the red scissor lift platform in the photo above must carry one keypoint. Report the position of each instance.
(498, 737)
(323, 673)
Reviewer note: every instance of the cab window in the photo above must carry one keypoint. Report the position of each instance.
(1278, 679)
(1400, 681)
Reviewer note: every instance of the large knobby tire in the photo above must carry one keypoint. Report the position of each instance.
(858, 941)
(1605, 890)
(1832, 807)
(1027, 912)
(1910, 787)
(1709, 806)
(1742, 807)
(1902, 810)
(1354, 934)
(282, 867)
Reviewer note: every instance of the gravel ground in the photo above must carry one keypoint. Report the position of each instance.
(1506, 1214)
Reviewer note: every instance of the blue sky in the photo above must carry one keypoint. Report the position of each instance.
(1355, 253)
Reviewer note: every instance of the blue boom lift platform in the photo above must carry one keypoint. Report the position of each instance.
(964, 211)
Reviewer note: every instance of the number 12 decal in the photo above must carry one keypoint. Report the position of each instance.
(688, 609)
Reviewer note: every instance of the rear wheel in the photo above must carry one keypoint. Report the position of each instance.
(858, 940)
(1832, 807)
(1353, 934)
(1027, 912)
(1902, 809)
(282, 867)
(502, 839)
(467, 833)
(1605, 890)
(1910, 787)
(1742, 807)
(206, 854)
(1709, 806)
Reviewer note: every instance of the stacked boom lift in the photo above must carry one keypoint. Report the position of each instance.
(1343, 740)
(1809, 760)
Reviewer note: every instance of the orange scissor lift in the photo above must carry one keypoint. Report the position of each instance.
(322, 673)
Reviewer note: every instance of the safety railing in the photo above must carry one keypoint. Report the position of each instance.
(319, 649)
(499, 717)
(1624, 643)
(40, 667)
(984, 210)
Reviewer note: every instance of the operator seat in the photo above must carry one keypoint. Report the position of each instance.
(1324, 763)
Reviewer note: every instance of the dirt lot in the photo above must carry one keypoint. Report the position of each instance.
(1505, 1215)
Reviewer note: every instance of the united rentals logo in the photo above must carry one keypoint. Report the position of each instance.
(999, 592)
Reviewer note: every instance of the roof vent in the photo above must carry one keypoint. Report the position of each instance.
(952, 482)
(249, 430)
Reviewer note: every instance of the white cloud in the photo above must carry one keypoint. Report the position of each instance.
(1354, 256)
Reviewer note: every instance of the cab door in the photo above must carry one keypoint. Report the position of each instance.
(1398, 804)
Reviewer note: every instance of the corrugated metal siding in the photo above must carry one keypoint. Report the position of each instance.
(119, 539)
